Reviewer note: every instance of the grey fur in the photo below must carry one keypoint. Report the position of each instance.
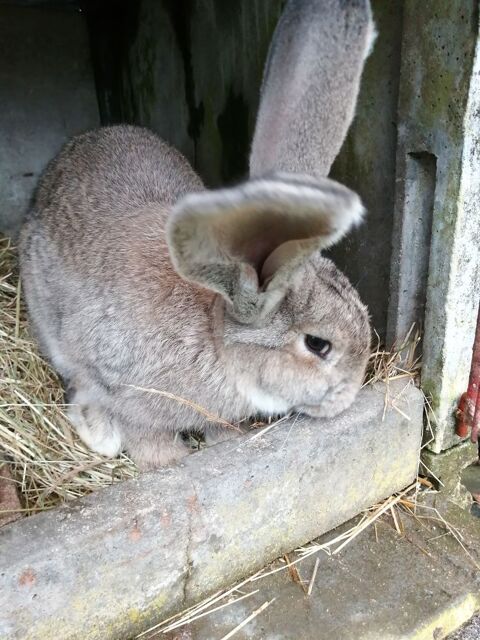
(311, 84)
(123, 257)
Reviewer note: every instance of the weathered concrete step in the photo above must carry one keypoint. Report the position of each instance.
(417, 586)
(107, 565)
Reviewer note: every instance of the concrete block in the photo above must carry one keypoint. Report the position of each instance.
(438, 191)
(106, 566)
(47, 94)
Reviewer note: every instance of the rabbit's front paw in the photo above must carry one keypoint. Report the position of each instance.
(96, 429)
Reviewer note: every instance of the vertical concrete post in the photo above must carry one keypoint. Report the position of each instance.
(437, 211)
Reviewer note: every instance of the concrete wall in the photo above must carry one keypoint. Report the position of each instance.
(190, 70)
(47, 94)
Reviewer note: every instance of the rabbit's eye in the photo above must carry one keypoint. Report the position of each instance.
(318, 346)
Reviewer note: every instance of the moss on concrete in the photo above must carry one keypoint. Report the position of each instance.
(447, 467)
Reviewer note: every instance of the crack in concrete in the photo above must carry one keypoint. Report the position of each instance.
(191, 510)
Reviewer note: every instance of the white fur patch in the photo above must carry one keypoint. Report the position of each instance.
(98, 433)
(265, 403)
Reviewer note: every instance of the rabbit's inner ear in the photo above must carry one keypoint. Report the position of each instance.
(254, 250)
(274, 237)
(233, 240)
(286, 253)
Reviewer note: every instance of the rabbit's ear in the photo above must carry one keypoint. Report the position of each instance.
(310, 85)
(245, 242)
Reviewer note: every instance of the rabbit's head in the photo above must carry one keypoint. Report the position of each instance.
(292, 328)
(310, 355)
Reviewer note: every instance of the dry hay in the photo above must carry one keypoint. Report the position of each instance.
(46, 458)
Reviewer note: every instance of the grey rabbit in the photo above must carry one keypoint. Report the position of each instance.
(154, 297)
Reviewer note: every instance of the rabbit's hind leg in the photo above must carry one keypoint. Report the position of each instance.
(96, 428)
(157, 450)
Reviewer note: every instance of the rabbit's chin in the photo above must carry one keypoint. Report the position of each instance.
(331, 406)
(265, 403)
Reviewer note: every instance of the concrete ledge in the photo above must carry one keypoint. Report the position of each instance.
(107, 565)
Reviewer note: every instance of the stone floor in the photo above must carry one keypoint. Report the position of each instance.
(470, 631)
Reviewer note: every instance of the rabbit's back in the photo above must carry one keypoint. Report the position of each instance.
(112, 171)
(229, 307)
(93, 245)
(98, 216)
